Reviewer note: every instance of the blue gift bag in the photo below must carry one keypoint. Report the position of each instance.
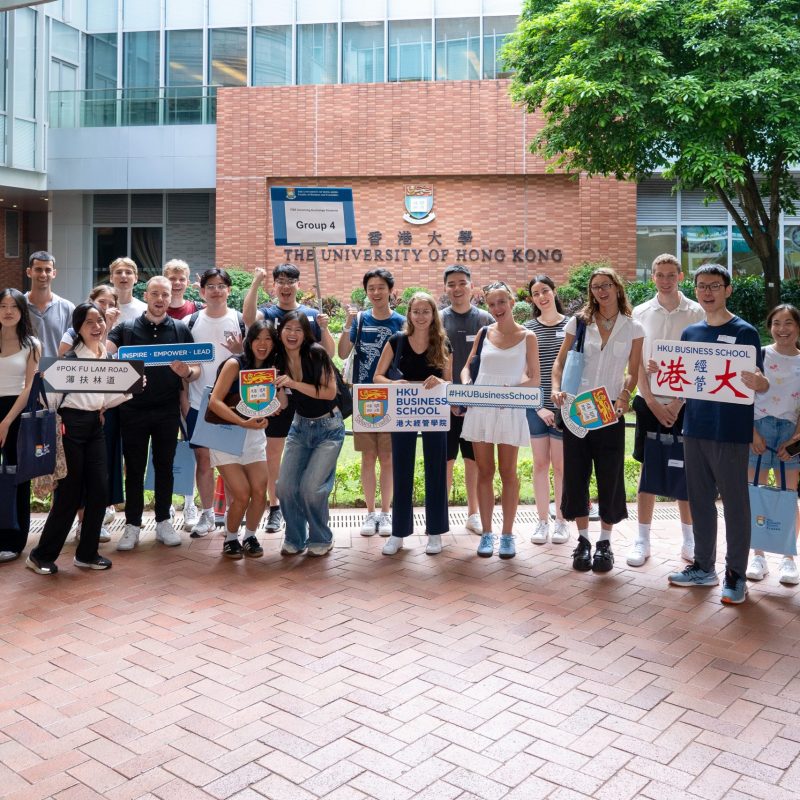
(182, 469)
(227, 438)
(773, 515)
(36, 440)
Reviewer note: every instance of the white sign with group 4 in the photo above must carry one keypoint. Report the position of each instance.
(703, 370)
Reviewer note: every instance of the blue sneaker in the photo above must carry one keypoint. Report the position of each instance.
(693, 576)
(507, 547)
(486, 545)
(734, 589)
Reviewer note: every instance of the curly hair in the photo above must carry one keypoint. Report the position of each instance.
(591, 306)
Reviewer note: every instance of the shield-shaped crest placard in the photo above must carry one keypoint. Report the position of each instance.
(419, 204)
(257, 392)
(373, 406)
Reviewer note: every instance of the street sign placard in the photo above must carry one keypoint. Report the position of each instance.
(312, 215)
(494, 396)
(162, 355)
(104, 375)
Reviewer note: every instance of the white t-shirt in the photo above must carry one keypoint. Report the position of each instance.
(132, 310)
(213, 330)
(782, 399)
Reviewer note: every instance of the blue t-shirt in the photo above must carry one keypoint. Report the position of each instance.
(721, 422)
(374, 335)
(276, 313)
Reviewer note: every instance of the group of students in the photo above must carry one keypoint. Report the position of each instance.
(292, 455)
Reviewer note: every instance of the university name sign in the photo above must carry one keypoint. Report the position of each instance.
(515, 255)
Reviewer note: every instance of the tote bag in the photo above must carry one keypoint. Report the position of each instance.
(226, 438)
(36, 440)
(182, 468)
(573, 366)
(773, 515)
(8, 495)
(663, 470)
(349, 366)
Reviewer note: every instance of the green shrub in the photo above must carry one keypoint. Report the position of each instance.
(522, 311)
(410, 292)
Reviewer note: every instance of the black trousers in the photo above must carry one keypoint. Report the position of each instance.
(139, 427)
(87, 476)
(15, 541)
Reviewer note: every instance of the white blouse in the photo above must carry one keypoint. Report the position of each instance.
(606, 366)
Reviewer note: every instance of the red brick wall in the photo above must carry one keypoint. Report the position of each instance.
(464, 138)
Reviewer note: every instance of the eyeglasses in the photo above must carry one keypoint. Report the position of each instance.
(286, 281)
(495, 285)
(602, 287)
(714, 287)
(216, 286)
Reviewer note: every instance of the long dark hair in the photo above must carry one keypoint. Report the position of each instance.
(24, 329)
(313, 356)
(247, 360)
(78, 318)
(547, 281)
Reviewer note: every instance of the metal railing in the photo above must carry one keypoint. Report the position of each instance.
(113, 108)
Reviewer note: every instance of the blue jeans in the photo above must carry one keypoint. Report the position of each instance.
(306, 477)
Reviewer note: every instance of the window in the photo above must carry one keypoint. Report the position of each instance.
(184, 94)
(743, 260)
(362, 52)
(101, 15)
(791, 251)
(65, 42)
(3, 23)
(457, 49)
(100, 105)
(141, 71)
(652, 241)
(410, 52)
(12, 234)
(227, 56)
(141, 15)
(703, 244)
(25, 63)
(317, 53)
(495, 32)
(272, 55)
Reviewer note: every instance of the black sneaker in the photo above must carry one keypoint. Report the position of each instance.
(603, 557)
(582, 555)
(275, 520)
(98, 562)
(41, 567)
(251, 547)
(232, 549)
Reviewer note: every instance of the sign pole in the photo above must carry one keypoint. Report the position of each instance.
(316, 277)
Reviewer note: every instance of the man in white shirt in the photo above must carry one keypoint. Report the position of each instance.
(51, 315)
(124, 275)
(665, 316)
(223, 327)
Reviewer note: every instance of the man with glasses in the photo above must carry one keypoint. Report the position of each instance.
(716, 443)
(665, 316)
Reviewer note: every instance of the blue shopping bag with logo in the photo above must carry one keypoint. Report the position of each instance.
(183, 466)
(773, 514)
(36, 440)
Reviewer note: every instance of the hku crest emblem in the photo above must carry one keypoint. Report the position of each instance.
(257, 393)
(419, 204)
(373, 406)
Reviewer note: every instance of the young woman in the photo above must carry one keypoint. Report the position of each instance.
(421, 354)
(613, 342)
(548, 324)
(246, 475)
(314, 441)
(19, 356)
(509, 357)
(85, 452)
(777, 422)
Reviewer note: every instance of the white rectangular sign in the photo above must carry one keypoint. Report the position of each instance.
(703, 370)
(315, 223)
(494, 396)
(400, 407)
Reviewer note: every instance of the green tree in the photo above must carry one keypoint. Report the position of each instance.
(705, 91)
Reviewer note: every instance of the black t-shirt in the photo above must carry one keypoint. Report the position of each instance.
(414, 366)
(163, 385)
(307, 406)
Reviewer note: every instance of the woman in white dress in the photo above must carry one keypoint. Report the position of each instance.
(509, 357)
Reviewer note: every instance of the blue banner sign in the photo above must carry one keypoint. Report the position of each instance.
(312, 215)
(160, 355)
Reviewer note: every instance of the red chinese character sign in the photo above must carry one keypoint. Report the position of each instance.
(703, 370)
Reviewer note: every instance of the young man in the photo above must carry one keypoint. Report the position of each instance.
(371, 330)
(462, 321)
(124, 274)
(716, 442)
(666, 316)
(154, 414)
(51, 315)
(222, 326)
(286, 278)
(176, 271)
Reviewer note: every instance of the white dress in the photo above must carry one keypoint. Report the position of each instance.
(499, 425)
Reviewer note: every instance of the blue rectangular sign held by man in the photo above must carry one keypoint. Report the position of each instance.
(312, 215)
(161, 355)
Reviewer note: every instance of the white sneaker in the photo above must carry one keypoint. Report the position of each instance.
(172, 512)
(474, 524)
(757, 569)
(105, 536)
(434, 546)
(638, 554)
(385, 524)
(129, 538)
(369, 527)
(190, 516)
(166, 534)
(542, 532)
(111, 512)
(789, 573)
(204, 525)
(560, 532)
(320, 549)
(687, 552)
(8, 555)
(393, 544)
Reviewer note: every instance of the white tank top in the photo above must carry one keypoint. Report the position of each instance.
(12, 373)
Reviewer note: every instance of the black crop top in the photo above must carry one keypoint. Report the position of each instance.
(414, 366)
(307, 406)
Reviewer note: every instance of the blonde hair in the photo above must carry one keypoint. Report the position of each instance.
(124, 262)
(592, 306)
(176, 265)
(498, 286)
(436, 354)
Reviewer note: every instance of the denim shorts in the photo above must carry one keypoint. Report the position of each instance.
(538, 429)
(775, 432)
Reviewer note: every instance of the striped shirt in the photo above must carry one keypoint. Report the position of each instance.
(550, 339)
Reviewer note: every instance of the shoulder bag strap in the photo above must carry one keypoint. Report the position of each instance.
(399, 351)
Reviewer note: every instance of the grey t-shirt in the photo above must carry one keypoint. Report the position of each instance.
(51, 324)
(461, 330)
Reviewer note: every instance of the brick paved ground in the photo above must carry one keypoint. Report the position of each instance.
(179, 675)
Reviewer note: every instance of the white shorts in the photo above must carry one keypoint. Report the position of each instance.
(255, 449)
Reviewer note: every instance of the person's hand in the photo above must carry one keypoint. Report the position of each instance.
(759, 445)
(458, 411)
(233, 343)
(254, 423)
(547, 416)
(664, 414)
(181, 369)
(652, 366)
(4, 426)
(782, 454)
(352, 312)
(284, 382)
(432, 381)
(755, 380)
(558, 398)
(323, 320)
(259, 274)
(112, 315)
